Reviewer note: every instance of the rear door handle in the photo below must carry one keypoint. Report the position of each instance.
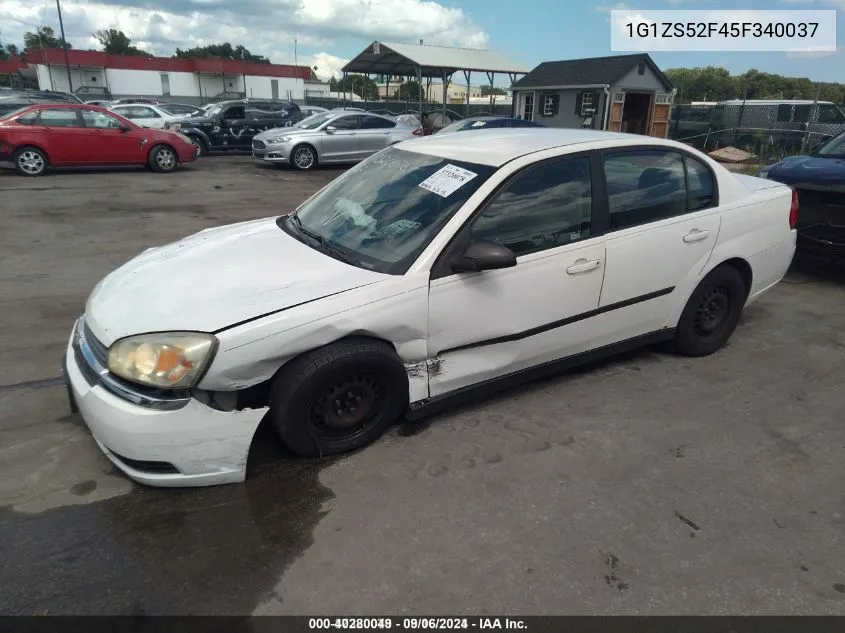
(583, 266)
(696, 236)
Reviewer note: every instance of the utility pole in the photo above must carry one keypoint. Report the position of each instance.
(64, 46)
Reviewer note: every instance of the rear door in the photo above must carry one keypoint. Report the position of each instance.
(259, 117)
(374, 134)
(65, 137)
(232, 128)
(664, 221)
(340, 143)
(109, 142)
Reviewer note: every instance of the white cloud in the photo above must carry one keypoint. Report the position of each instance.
(265, 27)
(327, 65)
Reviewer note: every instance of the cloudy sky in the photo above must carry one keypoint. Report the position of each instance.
(329, 32)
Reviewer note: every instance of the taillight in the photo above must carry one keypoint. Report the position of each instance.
(793, 210)
(417, 132)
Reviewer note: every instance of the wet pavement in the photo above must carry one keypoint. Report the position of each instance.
(645, 484)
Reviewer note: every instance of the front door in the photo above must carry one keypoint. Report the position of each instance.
(489, 324)
(340, 143)
(106, 139)
(660, 238)
(374, 134)
(65, 138)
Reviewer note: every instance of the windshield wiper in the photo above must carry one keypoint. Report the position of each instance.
(325, 245)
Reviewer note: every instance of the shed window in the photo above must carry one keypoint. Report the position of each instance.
(548, 105)
(641, 69)
(586, 103)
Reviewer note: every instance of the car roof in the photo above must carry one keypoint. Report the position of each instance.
(497, 146)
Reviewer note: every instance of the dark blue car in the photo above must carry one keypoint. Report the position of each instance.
(819, 179)
(486, 122)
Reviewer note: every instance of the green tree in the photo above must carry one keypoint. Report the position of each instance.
(220, 51)
(116, 42)
(410, 91)
(44, 36)
(486, 91)
(358, 84)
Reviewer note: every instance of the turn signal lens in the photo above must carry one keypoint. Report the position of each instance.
(793, 211)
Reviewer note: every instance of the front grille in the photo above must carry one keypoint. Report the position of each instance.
(259, 144)
(154, 468)
(100, 351)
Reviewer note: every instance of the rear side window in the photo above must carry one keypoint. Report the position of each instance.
(702, 189)
(59, 117)
(644, 186)
(376, 123)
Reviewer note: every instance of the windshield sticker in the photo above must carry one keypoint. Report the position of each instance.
(447, 180)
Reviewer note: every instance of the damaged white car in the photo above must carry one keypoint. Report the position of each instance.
(433, 270)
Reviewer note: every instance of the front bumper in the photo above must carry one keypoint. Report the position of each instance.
(272, 153)
(183, 443)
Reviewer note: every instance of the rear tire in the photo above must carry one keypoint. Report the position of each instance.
(712, 313)
(338, 398)
(30, 161)
(163, 159)
(202, 149)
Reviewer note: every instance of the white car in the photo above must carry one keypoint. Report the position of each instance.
(434, 270)
(145, 114)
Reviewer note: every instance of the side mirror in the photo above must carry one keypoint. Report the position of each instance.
(483, 255)
(330, 129)
(125, 128)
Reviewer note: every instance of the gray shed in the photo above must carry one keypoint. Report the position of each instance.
(621, 93)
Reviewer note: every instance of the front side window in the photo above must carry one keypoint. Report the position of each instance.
(314, 121)
(59, 117)
(345, 123)
(140, 112)
(235, 112)
(543, 207)
(829, 113)
(28, 119)
(383, 212)
(92, 118)
(644, 186)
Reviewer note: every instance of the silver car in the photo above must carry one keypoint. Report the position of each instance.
(330, 137)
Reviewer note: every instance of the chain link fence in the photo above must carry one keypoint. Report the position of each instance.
(769, 131)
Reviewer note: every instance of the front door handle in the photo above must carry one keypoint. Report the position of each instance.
(583, 266)
(696, 236)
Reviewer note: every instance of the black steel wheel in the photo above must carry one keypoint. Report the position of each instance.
(712, 313)
(338, 398)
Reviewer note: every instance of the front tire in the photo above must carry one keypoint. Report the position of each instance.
(163, 159)
(202, 149)
(338, 398)
(30, 161)
(712, 313)
(303, 157)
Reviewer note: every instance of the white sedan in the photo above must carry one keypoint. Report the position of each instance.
(144, 114)
(433, 271)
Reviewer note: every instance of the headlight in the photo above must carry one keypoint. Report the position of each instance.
(279, 139)
(167, 360)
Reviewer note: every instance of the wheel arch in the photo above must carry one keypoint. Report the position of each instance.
(162, 144)
(743, 268)
(308, 144)
(740, 264)
(23, 146)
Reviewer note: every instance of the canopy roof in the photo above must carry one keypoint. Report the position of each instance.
(429, 61)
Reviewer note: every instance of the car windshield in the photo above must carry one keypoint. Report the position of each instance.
(383, 212)
(834, 148)
(315, 120)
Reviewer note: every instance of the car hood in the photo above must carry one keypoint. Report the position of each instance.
(187, 119)
(810, 172)
(214, 279)
(283, 131)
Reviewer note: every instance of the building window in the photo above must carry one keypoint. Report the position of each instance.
(586, 103)
(641, 69)
(165, 84)
(548, 105)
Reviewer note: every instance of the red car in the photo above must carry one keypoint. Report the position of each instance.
(65, 134)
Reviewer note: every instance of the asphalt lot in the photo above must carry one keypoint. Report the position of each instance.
(649, 484)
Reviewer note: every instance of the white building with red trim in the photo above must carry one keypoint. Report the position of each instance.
(95, 74)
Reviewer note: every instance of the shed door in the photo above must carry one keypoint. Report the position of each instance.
(617, 105)
(661, 115)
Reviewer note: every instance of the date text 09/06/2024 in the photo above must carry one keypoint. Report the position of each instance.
(724, 29)
(407, 624)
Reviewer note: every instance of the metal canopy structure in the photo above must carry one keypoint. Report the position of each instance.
(424, 61)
